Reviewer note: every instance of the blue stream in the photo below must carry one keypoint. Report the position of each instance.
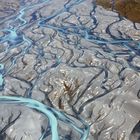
(49, 112)
(14, 37)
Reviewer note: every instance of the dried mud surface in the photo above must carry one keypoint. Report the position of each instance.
(127, 8)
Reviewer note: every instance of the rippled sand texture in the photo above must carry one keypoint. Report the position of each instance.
(69, 70)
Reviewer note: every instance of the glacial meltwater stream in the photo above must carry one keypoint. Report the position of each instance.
(40, 37)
